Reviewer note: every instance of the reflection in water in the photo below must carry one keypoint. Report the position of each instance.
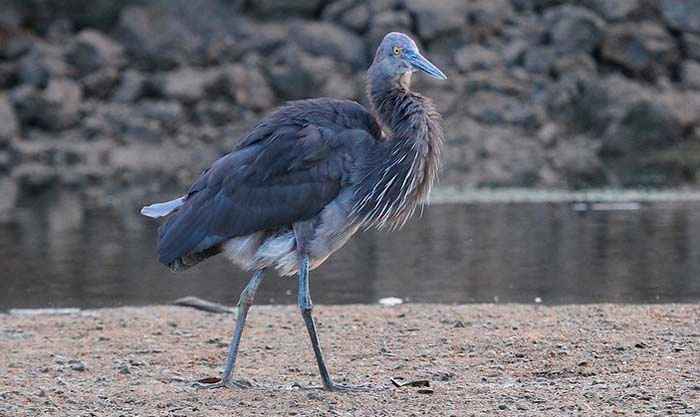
(58, 256)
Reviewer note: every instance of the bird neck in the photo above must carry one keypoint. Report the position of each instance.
(402, 172)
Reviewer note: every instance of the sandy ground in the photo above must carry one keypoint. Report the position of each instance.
(481, 360)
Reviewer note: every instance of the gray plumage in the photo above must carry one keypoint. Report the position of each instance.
(310, 175)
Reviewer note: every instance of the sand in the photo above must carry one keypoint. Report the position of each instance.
(480, 360)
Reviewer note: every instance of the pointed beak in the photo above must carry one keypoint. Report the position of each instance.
(419, 62)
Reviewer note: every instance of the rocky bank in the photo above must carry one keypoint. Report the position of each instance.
(124, 98)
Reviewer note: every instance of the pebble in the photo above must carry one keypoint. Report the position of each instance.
(77, 365)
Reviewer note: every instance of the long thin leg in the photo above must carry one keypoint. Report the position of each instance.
(244, 303)
(305, 305)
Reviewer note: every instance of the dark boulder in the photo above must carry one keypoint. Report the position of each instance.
(682, 15)
(433, 19)
(155, 40)
(295, 74)
(325, 39)
(690, 74)
(100, 83)
(284, 8)
(615, 10)
(9, 127)
(55, 108)
(91, 51)
(645, 49)
(573, 29)
(645, 127)
(691, 45)
(349, 13)
(388, 21)
(476, 57)
(244, 86)
(577, 159)
(132, 86)
(41, 14)
(42, 62)
(186, 84)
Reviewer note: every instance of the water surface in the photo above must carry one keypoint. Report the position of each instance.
(57, 255)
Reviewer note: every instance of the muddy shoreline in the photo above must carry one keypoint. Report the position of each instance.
(480, 359)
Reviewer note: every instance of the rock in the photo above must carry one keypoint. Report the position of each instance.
(614, 10)
(646, 126)
(243, 86)
(345, 86)
(9, 75)
(166, 112)
(284, 8)
(433, 18)
(59, 31)
(691, 44)
(539, 60)
(497, 81)
(325, 39)
(496, 109)
(91, 51)
(582, 105)
(130, 124)
(388, 21)
(216, 112)
(348, 13)
(186, 84)
(690, 74)
(295, 74)
(573, 29)
(575, 64)
(100, 83)
(101, 14)
(8, 190)
(11, 16)
(476, 57)
(9, 127)
(14, 43)
(43, 61)
(534, 5)
(486, 19)
(55, 108)
(34, 177)
(644, 48)
(682, 15)
(154, 39)
(577, 158)
(77, 365)
(131, 87)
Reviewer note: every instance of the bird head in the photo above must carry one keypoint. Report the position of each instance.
(398, 57)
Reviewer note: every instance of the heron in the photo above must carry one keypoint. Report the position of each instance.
(304, 180)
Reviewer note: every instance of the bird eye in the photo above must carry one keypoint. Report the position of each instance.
(397, 50)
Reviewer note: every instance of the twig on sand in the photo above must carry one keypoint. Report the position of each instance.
(204, 305)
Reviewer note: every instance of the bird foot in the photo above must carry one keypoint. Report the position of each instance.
(211, 383)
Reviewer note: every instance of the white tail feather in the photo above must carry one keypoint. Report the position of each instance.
(162, 209)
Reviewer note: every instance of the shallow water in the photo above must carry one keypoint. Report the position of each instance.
(57, 255)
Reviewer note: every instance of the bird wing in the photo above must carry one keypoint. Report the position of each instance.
(288, 170)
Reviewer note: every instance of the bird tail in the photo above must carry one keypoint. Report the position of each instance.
(162, 209)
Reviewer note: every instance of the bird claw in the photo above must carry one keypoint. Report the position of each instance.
(220, 383)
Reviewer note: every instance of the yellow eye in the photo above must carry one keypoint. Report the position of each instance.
(397, 50)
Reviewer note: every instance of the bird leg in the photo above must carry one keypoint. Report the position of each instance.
(244, 303)
(305, 305)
